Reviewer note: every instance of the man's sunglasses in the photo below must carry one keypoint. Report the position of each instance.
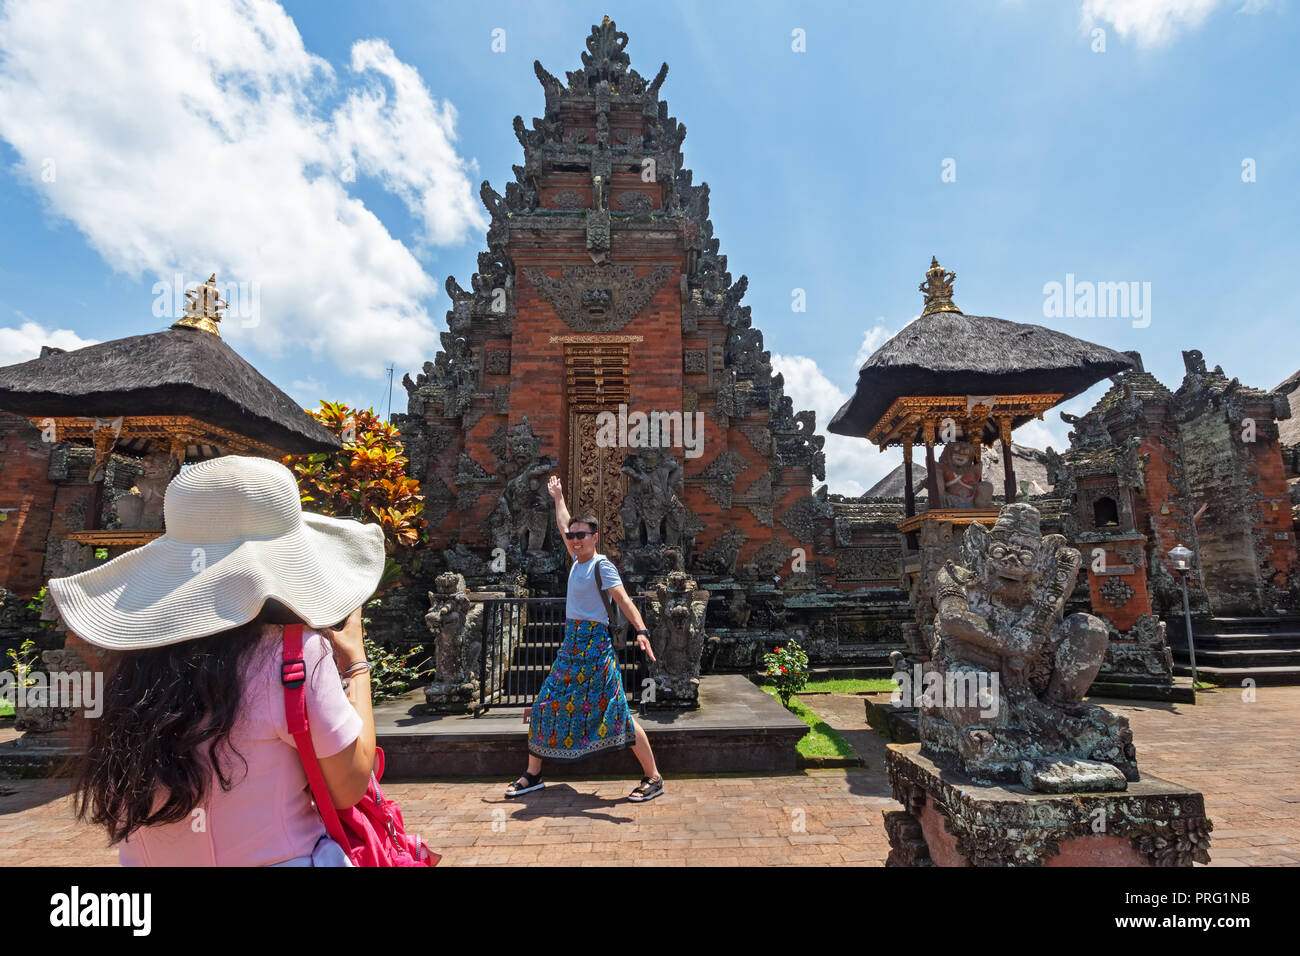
(577, 535)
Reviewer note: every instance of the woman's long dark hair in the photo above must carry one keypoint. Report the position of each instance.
(165, 730)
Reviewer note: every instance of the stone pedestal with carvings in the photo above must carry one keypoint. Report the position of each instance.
(949, 820)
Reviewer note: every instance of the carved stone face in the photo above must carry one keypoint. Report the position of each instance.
(1013, 563)
(961, 456)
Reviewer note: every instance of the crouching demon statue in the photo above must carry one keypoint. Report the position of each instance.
(1000, 631)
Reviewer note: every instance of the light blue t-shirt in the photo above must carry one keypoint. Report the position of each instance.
(584, 602)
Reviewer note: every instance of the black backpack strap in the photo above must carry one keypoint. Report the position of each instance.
(604, 598)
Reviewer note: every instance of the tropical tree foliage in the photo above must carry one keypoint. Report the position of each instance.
(366, 479)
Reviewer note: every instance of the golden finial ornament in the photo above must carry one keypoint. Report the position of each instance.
(937, 289)
(203, 308)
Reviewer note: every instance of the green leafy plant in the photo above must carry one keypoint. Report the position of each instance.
(37, 604)
(393, 674)
(23, 661)
(787, 667)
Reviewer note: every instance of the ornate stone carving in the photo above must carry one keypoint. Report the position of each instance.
(438, 499)
(695, 362)
(760, 436)
(1000, 628)
(469, 476)
(637, 203)
(999, 826)
(1116, 591)
(599, 298)
(720, 557)
(867, 564)
(496, 362)
(522, 516)
(719, 478)
(675, 618)
(598, 232)
(568, 199)
(457, 626)
(807, 518)
(652, 512)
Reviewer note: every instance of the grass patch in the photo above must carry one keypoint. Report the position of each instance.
(821, 740)
(6, 708)
(845, 685)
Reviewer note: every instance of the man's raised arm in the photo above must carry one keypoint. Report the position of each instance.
(556, 491)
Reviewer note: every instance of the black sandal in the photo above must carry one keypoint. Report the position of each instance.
(647, 789)
(534, 783)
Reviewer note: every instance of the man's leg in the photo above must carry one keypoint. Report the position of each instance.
(643, 752)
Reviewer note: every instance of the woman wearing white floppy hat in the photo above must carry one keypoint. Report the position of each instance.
(191, 761)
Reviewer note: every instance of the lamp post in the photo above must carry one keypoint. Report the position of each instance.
(1182, 559)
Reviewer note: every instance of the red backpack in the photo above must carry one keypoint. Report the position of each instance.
(371, 833)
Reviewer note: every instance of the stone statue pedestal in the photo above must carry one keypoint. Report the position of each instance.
(950, 820)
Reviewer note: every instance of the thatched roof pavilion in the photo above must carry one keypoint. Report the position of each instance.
(945, 352)
(956, 378)
(168, 397)
(186, 371)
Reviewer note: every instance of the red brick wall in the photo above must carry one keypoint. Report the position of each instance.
(27, 497)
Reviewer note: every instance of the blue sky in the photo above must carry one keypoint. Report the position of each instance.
(329, 155)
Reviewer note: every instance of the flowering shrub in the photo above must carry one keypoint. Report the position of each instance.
(788, 669)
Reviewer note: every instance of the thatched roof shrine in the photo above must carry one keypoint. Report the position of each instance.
(186, 371)
(948, 353)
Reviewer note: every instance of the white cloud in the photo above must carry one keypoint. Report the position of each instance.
(194, 138)
(852, 464)
(872, 339)
(24, 343)
(1153, 23)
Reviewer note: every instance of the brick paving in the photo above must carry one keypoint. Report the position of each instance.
(1244, 756)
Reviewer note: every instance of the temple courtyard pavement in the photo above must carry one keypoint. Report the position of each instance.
(1243, 755)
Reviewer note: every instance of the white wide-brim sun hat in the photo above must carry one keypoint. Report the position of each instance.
(236, 536)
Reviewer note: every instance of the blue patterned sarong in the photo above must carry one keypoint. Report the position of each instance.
(581, 708)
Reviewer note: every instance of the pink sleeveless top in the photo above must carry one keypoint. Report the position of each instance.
(267, 817)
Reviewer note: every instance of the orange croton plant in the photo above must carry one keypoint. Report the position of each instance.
(366, 479)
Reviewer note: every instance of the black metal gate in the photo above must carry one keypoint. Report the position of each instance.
(521, 637)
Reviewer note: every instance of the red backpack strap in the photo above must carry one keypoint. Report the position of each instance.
(293, 675)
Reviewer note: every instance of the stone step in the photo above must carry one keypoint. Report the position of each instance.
(1233, 676)
(1241, 658)
(1243, 641)
(1234, 625)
